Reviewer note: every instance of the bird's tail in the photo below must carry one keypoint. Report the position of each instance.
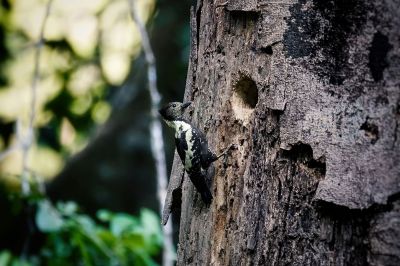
(199, 182)
(206, 196)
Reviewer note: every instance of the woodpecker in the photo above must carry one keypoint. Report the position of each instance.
(192, 147)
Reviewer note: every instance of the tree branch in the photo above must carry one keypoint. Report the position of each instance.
(27, 141)
(157, 143)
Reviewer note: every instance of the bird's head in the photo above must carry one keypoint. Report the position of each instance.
(173, 111)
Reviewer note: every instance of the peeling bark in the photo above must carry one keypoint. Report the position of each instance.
(310, 92)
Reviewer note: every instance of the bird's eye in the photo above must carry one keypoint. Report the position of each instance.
(174, 105)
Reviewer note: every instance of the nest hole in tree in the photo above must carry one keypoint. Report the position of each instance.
(371, 131)
(245, 97)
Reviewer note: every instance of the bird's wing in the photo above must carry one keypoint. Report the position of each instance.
(206, 156)
(181, 146)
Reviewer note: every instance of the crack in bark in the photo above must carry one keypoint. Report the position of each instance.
(284, 226)
(198, 18)
(396, 128)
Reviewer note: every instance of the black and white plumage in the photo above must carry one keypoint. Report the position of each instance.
(192, 147)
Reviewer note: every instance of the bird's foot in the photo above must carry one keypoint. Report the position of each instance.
(230, 147)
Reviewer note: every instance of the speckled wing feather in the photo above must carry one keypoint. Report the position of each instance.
(207, 156)
(181, 146)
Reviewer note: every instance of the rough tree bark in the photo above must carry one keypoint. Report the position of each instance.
(310, 92)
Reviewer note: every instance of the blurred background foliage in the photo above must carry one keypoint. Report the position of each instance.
(92, 115)
(65, 236)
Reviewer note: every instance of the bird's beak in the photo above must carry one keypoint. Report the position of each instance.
(185, 105)
(162, 112)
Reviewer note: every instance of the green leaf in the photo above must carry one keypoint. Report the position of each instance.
(122, 223)
(5, 257)
(104, 215)
(107, 237)
(86, 223)
(48, 219)
(134, 242)
(60, 248)
(144, 259)
(151, 230)
(83, 249)
(68, 208)
(150, 222)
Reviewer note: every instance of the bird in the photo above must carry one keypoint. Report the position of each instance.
(192, 147)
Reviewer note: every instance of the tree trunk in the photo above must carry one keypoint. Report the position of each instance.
(310, 93)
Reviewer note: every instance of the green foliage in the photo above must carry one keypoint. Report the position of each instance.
(122, 240)
(74, 238)
(6, 259)
(86, 55)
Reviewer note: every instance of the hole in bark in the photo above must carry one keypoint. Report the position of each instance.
(245, 96)
(231, 202)
(244, 18)
(378, 55)
(303, 153)
(371, 131)
(268, 50)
